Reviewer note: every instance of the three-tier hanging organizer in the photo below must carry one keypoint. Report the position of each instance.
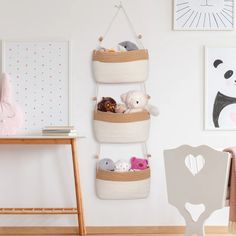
(121, 68)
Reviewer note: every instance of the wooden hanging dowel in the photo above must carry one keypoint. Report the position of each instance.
(140, 36)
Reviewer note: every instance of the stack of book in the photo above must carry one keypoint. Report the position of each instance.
(59, 131)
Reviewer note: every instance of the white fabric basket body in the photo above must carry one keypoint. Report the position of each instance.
(123, 186)
(121, 128)
(120, 67)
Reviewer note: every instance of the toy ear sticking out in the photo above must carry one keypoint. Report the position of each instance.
(5, 92)
(11, 116)
(123, 97)
(217, 62)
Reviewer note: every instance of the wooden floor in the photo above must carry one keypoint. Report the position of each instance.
(140, 235)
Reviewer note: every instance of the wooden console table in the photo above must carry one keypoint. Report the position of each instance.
(52, 140)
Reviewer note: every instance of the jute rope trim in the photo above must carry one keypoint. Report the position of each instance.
(123, 176)
(120, 117)
(112, 57)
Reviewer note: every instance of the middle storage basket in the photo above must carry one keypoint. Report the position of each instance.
(123, 185)
(121, 128)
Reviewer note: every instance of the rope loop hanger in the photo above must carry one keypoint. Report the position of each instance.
(120, 8)
(146, 154)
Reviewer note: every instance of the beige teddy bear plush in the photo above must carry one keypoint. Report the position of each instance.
(137, 101)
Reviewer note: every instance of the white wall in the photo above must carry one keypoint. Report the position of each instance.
(35, 176)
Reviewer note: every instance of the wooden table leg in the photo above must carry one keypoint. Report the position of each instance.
(82, 228)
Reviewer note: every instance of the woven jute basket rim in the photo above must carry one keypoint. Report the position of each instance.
(121, 117)
(123, 176)
(128, 56)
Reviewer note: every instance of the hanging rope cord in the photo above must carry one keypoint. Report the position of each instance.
(144, 151)
(119, 8)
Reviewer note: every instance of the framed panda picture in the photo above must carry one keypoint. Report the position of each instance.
(203, 14)
(220, 88)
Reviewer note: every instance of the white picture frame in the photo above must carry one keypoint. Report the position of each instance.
(220, 87)
(62, 98)
(191, 15)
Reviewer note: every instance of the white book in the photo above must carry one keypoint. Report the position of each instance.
(59, 128)
(59, 134)
(59, 131)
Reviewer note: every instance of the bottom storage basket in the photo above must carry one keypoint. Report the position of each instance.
(121, 128)
(123, 185)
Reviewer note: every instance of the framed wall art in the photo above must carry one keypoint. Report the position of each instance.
(220, 88)
(39, 72)
(203, 15)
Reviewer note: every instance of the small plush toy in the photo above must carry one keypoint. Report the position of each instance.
(107, 104)
(129, 46)
(11, 116)
(106, 164)
(138, 163)
(120, 48)
(122, 166)
(120, 108)
(137, 101)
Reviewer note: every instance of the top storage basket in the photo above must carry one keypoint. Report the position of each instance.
(120, 67)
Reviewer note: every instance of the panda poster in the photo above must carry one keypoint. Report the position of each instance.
(220, 88)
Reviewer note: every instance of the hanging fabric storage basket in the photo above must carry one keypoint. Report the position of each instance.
(121, 128)
(120, 67)
(123, 185)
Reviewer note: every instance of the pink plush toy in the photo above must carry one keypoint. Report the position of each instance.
(11, 116)
(138, 163)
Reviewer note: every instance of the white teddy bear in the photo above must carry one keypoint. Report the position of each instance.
(122, 166)
(137, 101)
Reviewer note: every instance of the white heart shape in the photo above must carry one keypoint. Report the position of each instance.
(195, 210)
(194, 164)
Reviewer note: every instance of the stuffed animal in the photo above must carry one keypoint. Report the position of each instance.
(107, 104)
(120, 48)
(122, 166)
(11, 116)
(129, 46)
(137, 101)
(138, 163)
(106, 164)
(120, 108)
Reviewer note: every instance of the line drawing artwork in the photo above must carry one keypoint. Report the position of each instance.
(220, 88)
(204, 15)
(206, 4)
